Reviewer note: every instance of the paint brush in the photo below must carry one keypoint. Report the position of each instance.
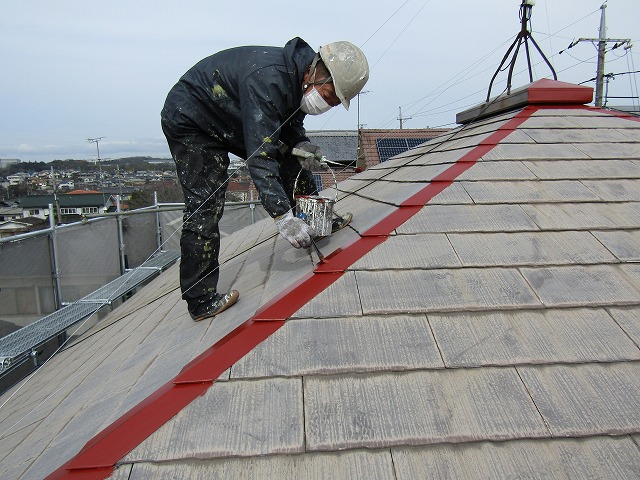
(320, 255)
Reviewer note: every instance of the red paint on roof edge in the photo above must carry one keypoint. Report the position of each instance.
(546, 91)
(98, 457)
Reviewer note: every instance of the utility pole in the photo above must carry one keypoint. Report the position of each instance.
(602, 41)
(401, 118)
(361, 93)
(360, 161)
(97, 142)
(56, 200)
(602, 45)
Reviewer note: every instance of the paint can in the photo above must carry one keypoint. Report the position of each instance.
(316, 210)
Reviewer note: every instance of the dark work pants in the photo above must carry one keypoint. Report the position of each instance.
(201, 165)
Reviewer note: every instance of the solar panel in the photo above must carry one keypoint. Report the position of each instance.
(390, 147)
(414, 142)
(318, 179)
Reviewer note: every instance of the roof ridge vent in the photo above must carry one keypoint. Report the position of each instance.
(541, 92)
(523, 37)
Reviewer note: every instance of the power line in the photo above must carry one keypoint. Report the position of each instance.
(462, 77)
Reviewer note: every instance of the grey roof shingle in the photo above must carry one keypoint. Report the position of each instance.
(478, 319)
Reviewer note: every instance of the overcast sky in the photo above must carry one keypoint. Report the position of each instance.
(79, 69)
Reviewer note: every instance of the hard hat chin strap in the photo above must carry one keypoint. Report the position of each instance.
(312, 72)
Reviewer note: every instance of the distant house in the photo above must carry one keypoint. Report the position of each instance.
(124, 192)
(340, 146)
(70, 184)
(12, 227)
(358, 150)
(17, 178)
(9, 213)
(70, 204)
(237, 191)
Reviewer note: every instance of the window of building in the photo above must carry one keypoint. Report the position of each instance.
(89, 209)
(67, 211)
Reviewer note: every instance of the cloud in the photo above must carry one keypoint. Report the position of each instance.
(147, 147)
(83, 68)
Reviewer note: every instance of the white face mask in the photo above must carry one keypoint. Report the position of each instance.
(313, 103)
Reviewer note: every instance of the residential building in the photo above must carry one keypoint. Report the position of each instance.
(18, 225)
(69, 204)
(17, 178)
(9, 213)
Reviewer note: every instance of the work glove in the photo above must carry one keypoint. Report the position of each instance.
(309, 155)
(295, 230)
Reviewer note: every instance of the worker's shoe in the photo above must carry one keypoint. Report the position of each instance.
(340, 222)
(220, 304)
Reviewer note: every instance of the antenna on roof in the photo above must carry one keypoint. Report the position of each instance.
(523, 37)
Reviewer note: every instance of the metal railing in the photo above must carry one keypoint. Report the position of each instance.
(52, 278)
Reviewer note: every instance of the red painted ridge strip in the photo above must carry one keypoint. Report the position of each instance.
(295, 297)
(99, 456)
(214, 361)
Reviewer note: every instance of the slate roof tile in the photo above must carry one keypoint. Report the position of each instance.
(583, 170)
(267, 420)
(440, 290)
(376, 410)
(596, 457)
(581, 285)
(531, 337)
(469, 218)
(589, 399)
(376, 465)
(529, 248)
(341, 345)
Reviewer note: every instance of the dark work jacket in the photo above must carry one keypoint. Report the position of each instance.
(244, 98)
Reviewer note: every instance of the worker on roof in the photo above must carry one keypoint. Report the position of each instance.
(250, 101)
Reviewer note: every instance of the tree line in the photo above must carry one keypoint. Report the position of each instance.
(131, 164)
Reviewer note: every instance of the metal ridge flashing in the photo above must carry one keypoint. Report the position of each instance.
(98, 457)
(540, 92)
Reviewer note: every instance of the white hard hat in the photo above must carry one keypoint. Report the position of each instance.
(348, 67)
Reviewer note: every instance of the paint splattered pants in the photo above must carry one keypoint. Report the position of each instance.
(201, 165)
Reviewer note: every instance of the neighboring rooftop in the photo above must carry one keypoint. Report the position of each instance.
(380, 145)
(480, 318)
(338, 146)
(75, 199)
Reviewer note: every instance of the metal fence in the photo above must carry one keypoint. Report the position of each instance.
(40, 272)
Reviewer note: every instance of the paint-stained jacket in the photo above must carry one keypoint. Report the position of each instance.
(245, 98)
